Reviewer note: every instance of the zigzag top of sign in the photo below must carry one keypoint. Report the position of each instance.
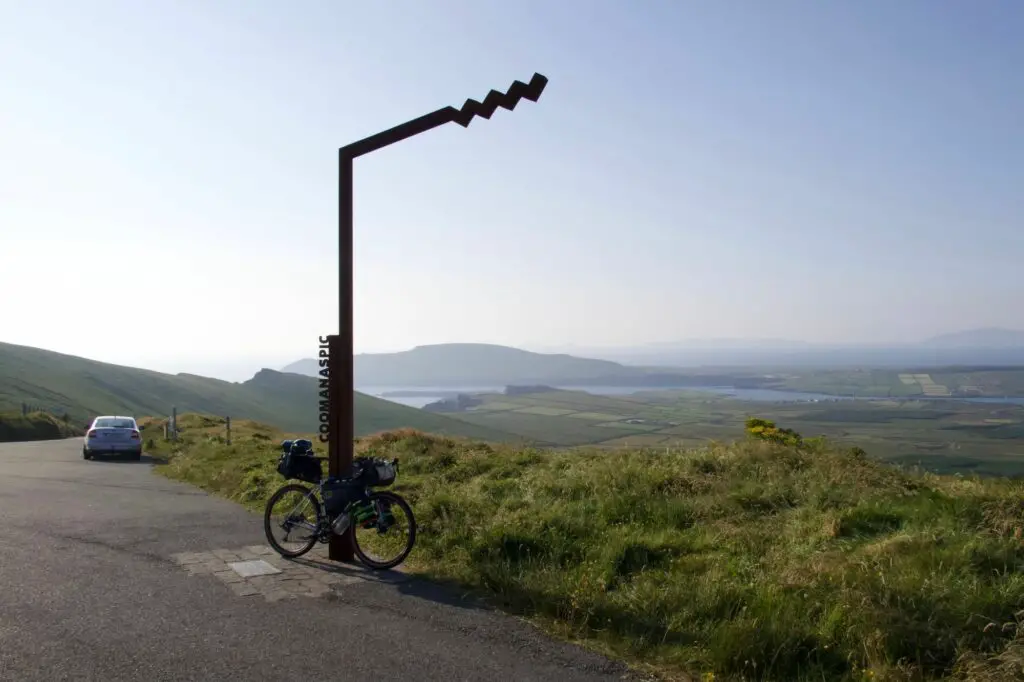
(516, 92)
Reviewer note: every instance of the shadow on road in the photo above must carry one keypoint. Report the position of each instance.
(126, 459)
(448, 594)
(442, 593)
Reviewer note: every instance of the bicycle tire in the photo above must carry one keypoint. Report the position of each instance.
(307, 492)
(394, 498)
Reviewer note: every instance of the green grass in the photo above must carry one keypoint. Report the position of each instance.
(751, 560)
(85, 388)
(945, 437)
(16, 427)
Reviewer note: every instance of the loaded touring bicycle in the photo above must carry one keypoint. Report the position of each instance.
(382, 523)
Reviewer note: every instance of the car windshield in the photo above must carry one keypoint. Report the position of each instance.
(114, 424)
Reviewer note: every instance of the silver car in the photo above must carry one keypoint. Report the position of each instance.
(112, 435)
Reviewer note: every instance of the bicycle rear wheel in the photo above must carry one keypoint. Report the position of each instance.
(389, 531)
(293, 509)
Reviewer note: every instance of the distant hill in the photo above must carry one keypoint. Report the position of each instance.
(976, 347)
(476, 364)
(468, 365)
(84, 388)
(992, 337)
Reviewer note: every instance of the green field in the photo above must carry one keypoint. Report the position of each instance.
(998, 383)
(949, 436)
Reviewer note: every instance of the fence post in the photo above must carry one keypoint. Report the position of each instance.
(227, 420)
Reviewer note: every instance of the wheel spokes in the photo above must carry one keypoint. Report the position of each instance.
(384, 533)
(298, 514)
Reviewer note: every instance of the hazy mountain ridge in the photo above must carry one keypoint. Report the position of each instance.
(460, 364)
(966, 339)
(477, 364)
(991, 337)
(986, 346)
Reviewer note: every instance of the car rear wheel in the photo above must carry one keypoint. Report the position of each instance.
(86, 455)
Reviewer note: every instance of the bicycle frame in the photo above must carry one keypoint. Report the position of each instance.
(323, 528)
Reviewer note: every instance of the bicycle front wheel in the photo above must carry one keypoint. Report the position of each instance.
(294, 510)
(386, 535)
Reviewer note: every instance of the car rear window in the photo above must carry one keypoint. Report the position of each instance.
(114, 424)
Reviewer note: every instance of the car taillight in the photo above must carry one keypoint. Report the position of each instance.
(90, 434)
(135, 435)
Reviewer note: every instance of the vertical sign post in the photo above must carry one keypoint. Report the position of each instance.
(341, 421)
(341, 375)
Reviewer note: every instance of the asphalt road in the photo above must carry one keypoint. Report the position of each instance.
(89, 591)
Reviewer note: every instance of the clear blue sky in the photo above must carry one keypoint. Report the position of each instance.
(816, 170)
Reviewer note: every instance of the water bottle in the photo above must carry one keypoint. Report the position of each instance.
(340, 524)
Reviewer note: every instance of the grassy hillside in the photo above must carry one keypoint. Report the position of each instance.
(473, 364)
(16, 427)
(84, 388)
(751, 561)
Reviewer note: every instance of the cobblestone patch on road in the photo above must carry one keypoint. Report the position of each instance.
(312, 575)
